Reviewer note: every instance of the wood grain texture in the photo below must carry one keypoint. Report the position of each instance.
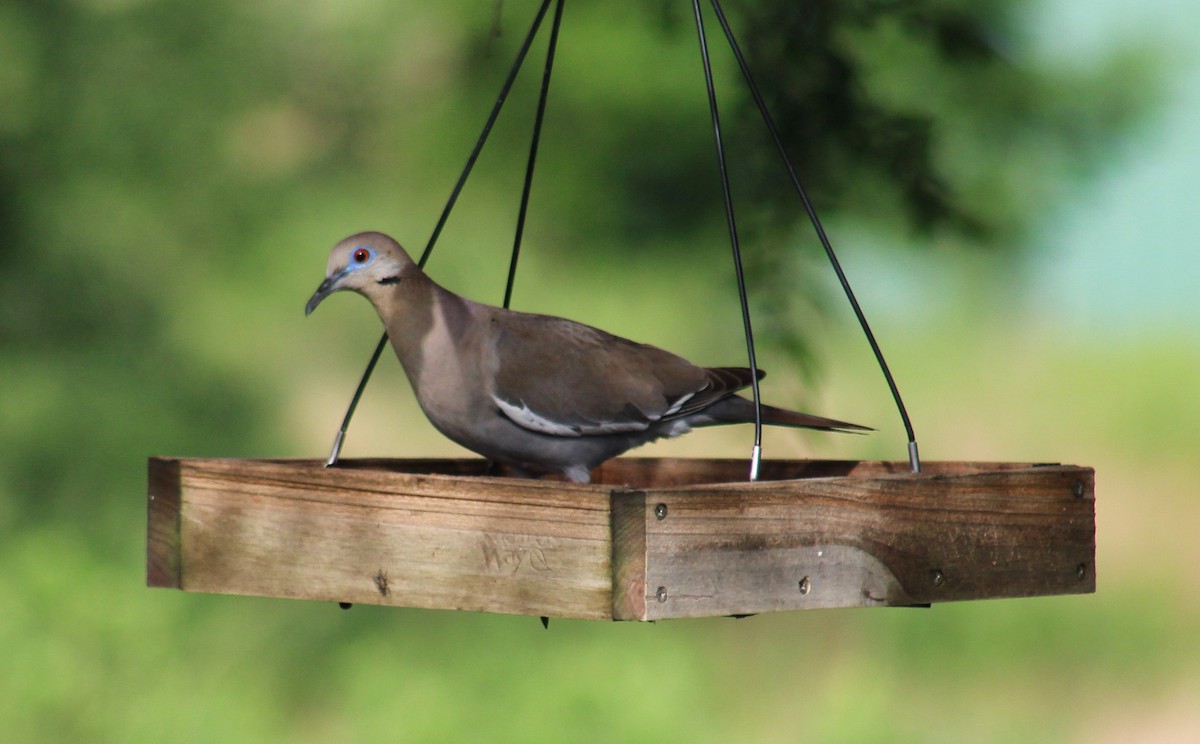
(649, 539)
(628, 554)
(867, 541)
(378, 537)
(162, 523)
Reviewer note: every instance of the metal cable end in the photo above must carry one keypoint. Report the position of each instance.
(337, 448)
(914, 460)
(755, 458)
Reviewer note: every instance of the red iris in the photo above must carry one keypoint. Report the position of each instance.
(361, 255)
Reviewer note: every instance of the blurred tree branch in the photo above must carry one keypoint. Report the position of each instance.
(936, 109)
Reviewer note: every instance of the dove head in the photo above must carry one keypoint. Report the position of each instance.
(367, 263)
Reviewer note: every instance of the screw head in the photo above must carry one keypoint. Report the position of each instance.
(661, 594)
(1081, 571)
(937, 577)
(1077, 488)
(805, 585)
(660, 511)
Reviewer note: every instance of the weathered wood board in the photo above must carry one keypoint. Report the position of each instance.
(649, 539)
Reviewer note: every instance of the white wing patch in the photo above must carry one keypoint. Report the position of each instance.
(523, 416)
(674, 409)
(534, 422)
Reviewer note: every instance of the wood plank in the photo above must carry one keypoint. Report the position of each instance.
(628, 554)
(891, 540)
(368, 536)
(662, 472)
(654, 472)
(162, 523)
(652, 538)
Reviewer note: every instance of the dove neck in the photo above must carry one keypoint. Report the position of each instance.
(414, 310)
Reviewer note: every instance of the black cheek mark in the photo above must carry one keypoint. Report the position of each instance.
(390, 280)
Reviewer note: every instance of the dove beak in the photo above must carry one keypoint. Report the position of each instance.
(328, 287)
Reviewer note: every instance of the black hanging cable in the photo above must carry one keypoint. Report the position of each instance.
(533, 150)
(487, 129)
(340, 437)
(756, 453)
(913, 456)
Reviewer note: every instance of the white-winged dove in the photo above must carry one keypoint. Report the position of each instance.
(538, 393)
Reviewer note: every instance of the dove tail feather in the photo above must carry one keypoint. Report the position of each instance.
(738, 410)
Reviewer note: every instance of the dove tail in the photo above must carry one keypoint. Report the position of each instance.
(738, 410)
(783, 417)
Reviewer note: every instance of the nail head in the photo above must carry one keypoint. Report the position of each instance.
(660, 511)
(805, 585)
(661, 594)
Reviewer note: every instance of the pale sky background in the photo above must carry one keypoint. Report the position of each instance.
(1122, 254)
(1126, 253)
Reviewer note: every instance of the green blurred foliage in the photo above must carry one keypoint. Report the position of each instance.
(171, 175)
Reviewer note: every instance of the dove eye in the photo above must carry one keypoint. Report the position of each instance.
(361, 255)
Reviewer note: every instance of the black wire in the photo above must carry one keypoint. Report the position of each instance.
(487, 129)
(441, 223)
(358, 392)
(816, 222)
(533, 150)
(732, 224)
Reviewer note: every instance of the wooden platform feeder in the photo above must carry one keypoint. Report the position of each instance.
(649, 539)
